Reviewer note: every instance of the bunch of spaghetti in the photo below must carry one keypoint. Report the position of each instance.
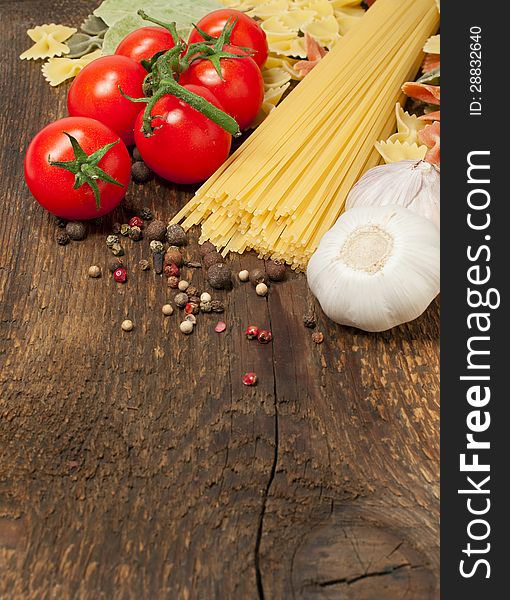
(286, 185)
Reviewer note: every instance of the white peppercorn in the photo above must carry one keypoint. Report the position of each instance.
(261, 289)
(183, 285)
(186, 327)
(244, 275)
(127, 325)
(168, 310)
(205, 297)
(94, 271)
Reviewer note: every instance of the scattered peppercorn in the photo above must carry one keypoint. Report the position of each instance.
(264, 337)
(156, 230)
(192, 264)
(191, 308)
(60, 223)
(172, 270)
(120, 275)
(244, 275)
(186, 327)
(117, 250)
(181, 299)
(168, 310)
(183, 285)
(318, 337)
(111, 240)
(261, 289)
(173, 282)
(206, 307)
(309, 321)
(217, 306)
(212, 258)
(205, 297)
(94, 271)
(276, 270)
(136, 155)
(258, 276)
(252, 332)
(62, 238)
(207, 247)
(135, 222)
(249, 379)
(127, 325)
(114, 264)
(146, 214)
(157, 261)
(220, 327)
(76, 230)
(116, 228)
(192, 291)
(173, 255)
(140, 172)
(219, 276)
(135, 233)
(191, 318)
(156, 247)
(125, 229)
(176, 236)
(144, 265)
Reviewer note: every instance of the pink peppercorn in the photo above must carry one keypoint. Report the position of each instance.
(172, 270)
(264, 336)
(120, 275)
(252, 332)
(250, 379)
(135, 222)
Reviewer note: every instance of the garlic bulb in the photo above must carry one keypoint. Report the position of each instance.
(376, 268)
(408, 183)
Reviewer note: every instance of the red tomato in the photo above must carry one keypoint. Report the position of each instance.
(95, 93)
(52, 186)
(240, 92)
(145, 43)
(247, 31)
(186, 147)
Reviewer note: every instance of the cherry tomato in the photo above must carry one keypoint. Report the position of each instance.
(145, 43)
(240, 90)
(247, 31)
(52, 186)
(95, 93)
(186, 147)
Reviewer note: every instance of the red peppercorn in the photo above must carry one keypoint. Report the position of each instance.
(250, 379)
(264, 336)
(120, 275)
(136, 222)
(252, 332)
(172, 270)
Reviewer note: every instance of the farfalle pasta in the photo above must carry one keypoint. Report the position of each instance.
(396, 151)
(48, 41)
(58, 70)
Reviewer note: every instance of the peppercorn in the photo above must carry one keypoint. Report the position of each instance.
(194, 300)
(192, 264)
(183, 285)
(144, 265)
(62, 238)
(192, 291)
(276, 270)
(249, 379)
(212, 258)
(205, 297)
(244, 275)
(217, 306)
(176, 236)
(318, 337)
(135, 233)
(156, 230)
(157, 247)
(173, 255)
(258, 276)
(172, 270)
(186, 327)
(127, 325)
(264, 337)
(157, 261)
(252, 332)
(114, 264)
(125, 229)
(206, 307)
(94, 271)
(136, 155)
(207, 247)
(191, 308)
(191, 318)
(120, 275)
(111, 240)
(220, 327)
(76, 230)
(117, 250)
(309, 321)
(60, 223)
(261, 289)
(173, 282)
(140, 172)
(181, 299)
(116, 228)
(135, 222)
(146, 214)
(219, 276)
(168, 310)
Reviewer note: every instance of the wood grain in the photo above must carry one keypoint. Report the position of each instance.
(138, 465)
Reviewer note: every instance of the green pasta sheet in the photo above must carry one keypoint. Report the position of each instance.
(122, 18)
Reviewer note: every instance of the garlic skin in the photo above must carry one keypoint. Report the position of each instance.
(407, 183)
(378, 267)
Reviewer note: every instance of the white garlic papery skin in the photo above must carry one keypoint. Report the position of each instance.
(378, 267)
(412, 184)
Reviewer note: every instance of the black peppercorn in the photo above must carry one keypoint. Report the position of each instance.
(116, 228)
(140, 172)
(192, 291)
(192, 264)
(114, 264)
(146, 214)
(207, 247)
(176, 236)
(275, 270)
(194, 299)
(212, 258)
(62, 238)
(144, 265)
(258, 276)
(173, 256)
(76, 230)
(309, 321)
(135, 233)
(60, 223)
(217, 306)
(219, 276)
(136, 155)
(156, 230)
(125, 229)
(157, 261)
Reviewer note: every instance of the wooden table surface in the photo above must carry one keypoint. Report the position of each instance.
(138, 465)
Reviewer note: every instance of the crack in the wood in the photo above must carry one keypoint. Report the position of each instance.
(351, 580)
(258, 572)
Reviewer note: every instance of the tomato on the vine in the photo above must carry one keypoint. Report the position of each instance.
(247, 32)
(240, 89)
(186, 146)
(145, 42)
(95, 93)
(83, 151)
